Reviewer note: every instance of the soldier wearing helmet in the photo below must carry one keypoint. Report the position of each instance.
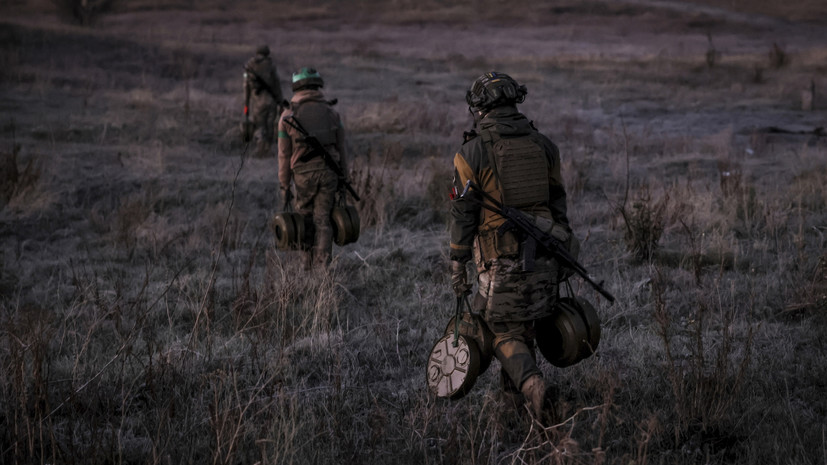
(263, 99)
(316, 184)
(508, 158)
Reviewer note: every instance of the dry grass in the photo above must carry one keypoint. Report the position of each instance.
(146, 318)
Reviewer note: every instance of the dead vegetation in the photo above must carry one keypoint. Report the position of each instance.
(84, 12)
(16, 182)
(145, 316)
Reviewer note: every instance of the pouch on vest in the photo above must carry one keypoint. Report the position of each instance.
(492, 245)
(506, 244)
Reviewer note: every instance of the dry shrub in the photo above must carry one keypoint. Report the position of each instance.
(131, 213)
(223, 225)
(553, 445)
(706, 358)
(388, 117)
(298, 304)
(730, 177)
(809, 292)
(712, 54)
(369, 181)
(778, 57)
(426, 116)
(740, 203)
(437, 199)
(758, 74)
(15, 183)
(745, 210)
(84, 12)
(645, 222)
(235, 409)
(807, 188)
(8, 176)
(575, 171)
(25, 358)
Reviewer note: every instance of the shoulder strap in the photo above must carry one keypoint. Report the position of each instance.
(488, 143)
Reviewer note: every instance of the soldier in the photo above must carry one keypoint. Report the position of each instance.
(262, 95)
(508, 158)
(316, 184)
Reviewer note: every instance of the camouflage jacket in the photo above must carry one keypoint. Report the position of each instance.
(472, 162)
(259, 76)
(317, 116)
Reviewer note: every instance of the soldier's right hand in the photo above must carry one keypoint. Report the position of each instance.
(287, 196)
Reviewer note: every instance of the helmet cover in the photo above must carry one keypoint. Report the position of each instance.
(494, 89)
(307, 77)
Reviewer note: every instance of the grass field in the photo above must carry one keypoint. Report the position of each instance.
(145, 316)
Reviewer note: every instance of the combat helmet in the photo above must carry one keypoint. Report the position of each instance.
(494, 89)
(307, 78)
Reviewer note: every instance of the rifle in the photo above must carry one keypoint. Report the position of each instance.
(515, 219)
(316, 148)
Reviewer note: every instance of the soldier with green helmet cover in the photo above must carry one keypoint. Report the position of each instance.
(514, 163)
(316, 184)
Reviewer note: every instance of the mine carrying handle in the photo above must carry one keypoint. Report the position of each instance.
(519, 220)
(458, 316)
(318, 149)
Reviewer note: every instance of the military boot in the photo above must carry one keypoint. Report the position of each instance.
(537, 398)
(509, 395)
(534, 390)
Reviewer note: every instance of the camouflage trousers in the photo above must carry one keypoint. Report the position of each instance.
(512, 300)
(512, 294)
(514, 348)
(263, 112)
(315, 196)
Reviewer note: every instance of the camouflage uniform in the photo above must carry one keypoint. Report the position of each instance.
(262, 98)
(316, 184)
(526, 176)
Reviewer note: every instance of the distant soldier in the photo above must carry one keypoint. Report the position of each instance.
(316, 183)
(510, 160)
(263, 99)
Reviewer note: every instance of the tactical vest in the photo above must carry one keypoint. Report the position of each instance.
(318, 120)
(520, 166)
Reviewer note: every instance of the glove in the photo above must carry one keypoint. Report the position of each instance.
(459, 279)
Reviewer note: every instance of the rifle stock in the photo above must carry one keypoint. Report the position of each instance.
(522, 222)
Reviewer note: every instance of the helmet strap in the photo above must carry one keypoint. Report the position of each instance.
(477, 115)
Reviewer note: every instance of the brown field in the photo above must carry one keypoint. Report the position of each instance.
(145, 316)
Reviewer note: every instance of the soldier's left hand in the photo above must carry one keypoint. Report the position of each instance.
(287, 196)
(459, 279)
